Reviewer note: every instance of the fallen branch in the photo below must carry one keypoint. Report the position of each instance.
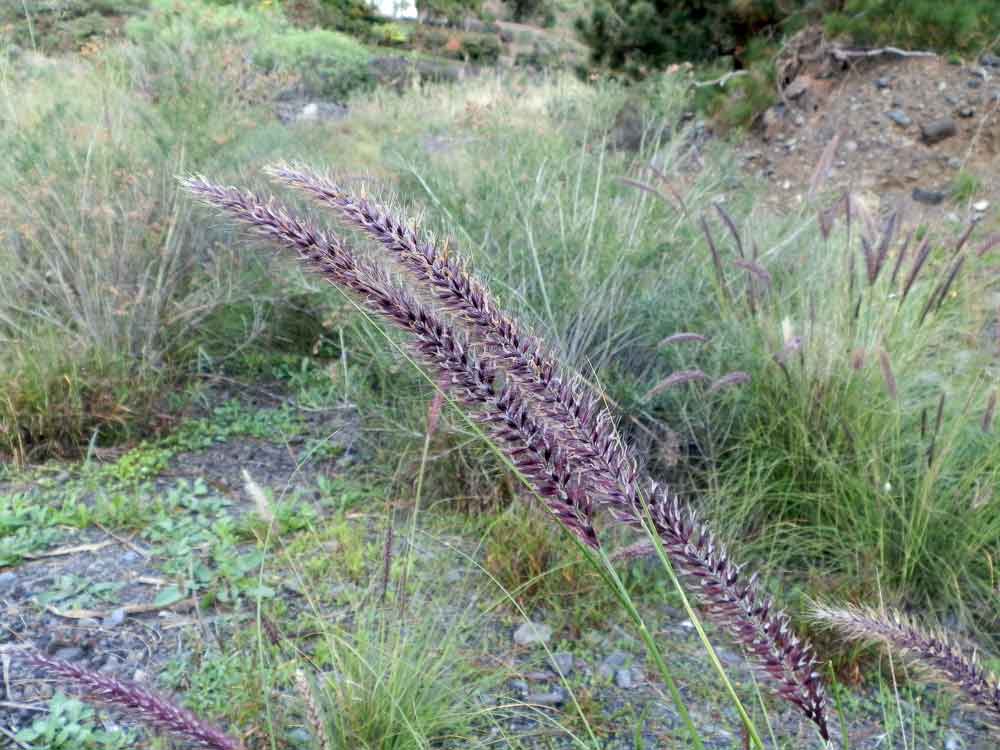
(721, 82)
(129, 609)
(843, 55)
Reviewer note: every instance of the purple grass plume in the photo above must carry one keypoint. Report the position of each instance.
(931, 653)
(736, 603)
(586, 430)
(531, 446)
(549, 424)
(136, 702)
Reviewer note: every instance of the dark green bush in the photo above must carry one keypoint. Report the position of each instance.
(351, 16)
(638, 37)
(481, 48)
(527, 10)
(964, 26)
(453, 10)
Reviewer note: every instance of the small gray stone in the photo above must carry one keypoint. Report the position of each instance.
(928, 197)
(7, 581)
(554, 697)
(727, 657)
(70, 653)
(564, 660)
(953, 742)
(938, 130)
(974, 83)
(519, 686)
(532, 632)
(899, 117)
(967, 112)
(611, 665)
(300, 737)
(623, 679)
(980, 206)
(113, 620)
(990, 60)
(954, 163)
(882, 83)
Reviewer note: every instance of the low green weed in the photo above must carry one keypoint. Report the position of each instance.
(69, 724)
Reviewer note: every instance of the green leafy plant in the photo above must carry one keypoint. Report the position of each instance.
(70, 724)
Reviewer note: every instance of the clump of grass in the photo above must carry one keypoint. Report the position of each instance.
(549, 427)
(859, 443)
(965, 186)
(935, 655)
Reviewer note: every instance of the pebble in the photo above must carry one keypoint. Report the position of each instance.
(538, 676)
(300, 737)
(954, 163)
(967, 112)
(113, 620)
(851, 146)
(554, 697)
(990, 60)
(899, 117)
(7, 581)
(612, 665)
(729, 658)
(623, 679)
(938, 130)
(974, 83)
(981, 206)
(70, 653)
(928, 197)
(519, 686)
(532, 632)
(564, 660)
(882, 83)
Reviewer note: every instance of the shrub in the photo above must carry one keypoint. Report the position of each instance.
(327, 63)
(354, 17)
(636, 38)
(526, 10)
(967, 26)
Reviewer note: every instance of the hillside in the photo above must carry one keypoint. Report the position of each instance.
(391, 511)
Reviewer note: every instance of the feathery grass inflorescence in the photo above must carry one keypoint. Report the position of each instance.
(504, 411)
(587, 430)
(136, 701)
(314, 714)
(735, 603)
(568, 449)
(931, 653)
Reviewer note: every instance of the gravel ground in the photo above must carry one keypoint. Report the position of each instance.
(101, 599)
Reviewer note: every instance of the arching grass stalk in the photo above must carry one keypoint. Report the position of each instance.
(709, 649)
(600, 561)
(552, 429)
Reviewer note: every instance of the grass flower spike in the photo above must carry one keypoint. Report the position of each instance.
(548, 423)
(932, 653)
(137, 702)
